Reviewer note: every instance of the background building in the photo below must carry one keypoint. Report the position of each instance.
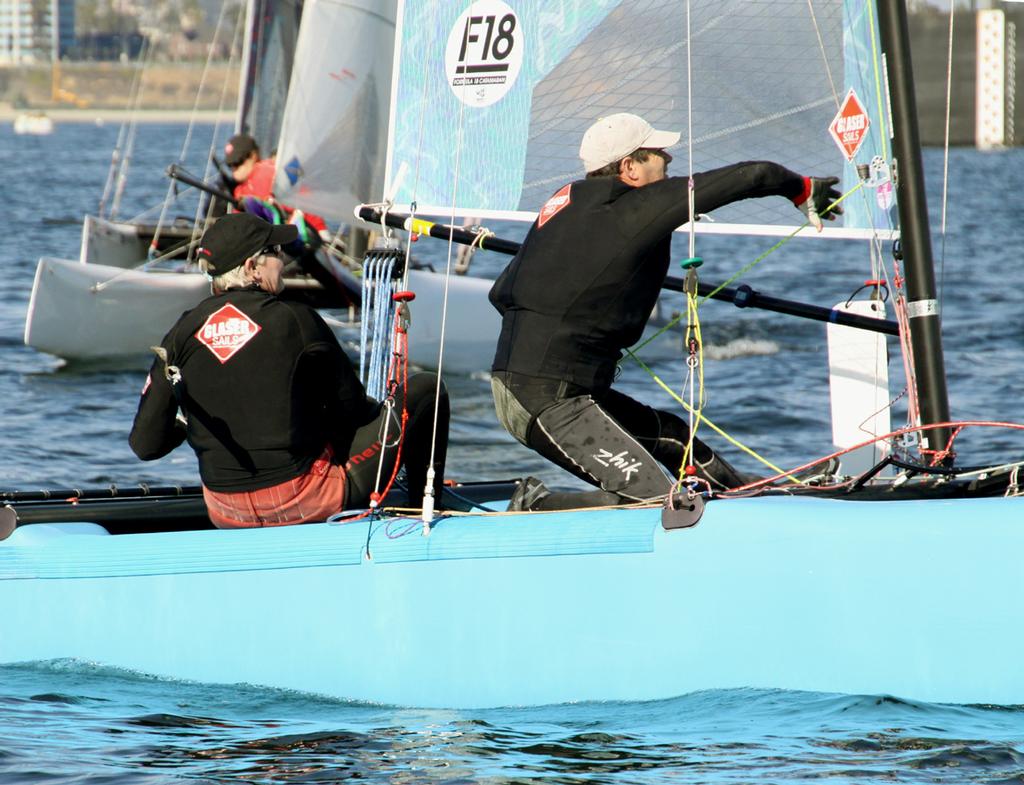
(33, 31)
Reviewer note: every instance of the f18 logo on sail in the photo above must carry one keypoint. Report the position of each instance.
(484, 53)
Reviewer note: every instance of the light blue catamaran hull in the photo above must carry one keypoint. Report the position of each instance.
(923, 600)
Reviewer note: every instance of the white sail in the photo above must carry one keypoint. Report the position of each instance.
(492, 98)
(331, 152)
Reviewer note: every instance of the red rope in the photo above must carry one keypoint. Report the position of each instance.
(398, 374)
(946, 452)
(957, 426)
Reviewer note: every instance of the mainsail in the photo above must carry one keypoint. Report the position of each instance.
(492, 98)
(331, 152)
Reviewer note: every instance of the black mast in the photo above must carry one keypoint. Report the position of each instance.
(922, 302)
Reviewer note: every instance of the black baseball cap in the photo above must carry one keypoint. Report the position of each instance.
(238, 236)
(238, 148)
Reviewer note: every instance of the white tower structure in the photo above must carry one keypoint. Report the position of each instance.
(990, 83)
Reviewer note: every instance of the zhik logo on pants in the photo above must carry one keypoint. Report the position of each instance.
(620, 461)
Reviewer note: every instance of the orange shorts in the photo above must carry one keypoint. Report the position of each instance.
(309, 498)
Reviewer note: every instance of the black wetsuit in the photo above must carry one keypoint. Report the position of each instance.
(266, 387)
(579, 291)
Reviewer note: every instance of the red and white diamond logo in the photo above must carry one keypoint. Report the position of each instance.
(850, 125)
(226, 331)
(553, 205)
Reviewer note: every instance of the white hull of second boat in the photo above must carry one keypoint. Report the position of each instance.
(93, 312)
(470, 328)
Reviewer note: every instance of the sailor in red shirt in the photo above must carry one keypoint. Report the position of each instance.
(255, 178)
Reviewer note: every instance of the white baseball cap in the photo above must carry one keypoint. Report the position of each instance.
(614, 137)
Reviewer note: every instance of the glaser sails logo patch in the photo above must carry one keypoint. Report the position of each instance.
(849, 128)
(484, 53)
(226, 331)
(552, 206)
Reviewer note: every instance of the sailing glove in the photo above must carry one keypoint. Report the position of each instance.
(818, 196)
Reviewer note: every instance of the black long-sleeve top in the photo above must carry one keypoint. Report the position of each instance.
(588, 275)
(266, 387)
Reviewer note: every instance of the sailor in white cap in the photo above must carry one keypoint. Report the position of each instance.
(580, 291)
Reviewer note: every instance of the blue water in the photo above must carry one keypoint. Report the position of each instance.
(766, 378)
(99, 726)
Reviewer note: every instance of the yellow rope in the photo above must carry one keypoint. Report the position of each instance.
(704, 419)
(693, 333)
(877, 72)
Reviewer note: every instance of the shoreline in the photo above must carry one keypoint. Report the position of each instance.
(101, 115)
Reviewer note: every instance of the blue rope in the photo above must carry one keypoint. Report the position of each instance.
(376, 338)
(369, 266)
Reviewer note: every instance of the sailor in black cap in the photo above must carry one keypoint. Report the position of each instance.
(281, 425)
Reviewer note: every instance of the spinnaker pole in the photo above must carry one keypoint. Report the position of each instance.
(922, 299)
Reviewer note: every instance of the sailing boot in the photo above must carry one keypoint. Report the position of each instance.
(528, 492)
(532, 494)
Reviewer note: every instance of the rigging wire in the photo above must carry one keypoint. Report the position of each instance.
(692, 339)
(153, 257)
(118, 170)
(824, 53)
(398, 376)
(122, 175)
(945, 153)
(426, 513)
(200, 220)
(895, 282)
(691, 189)
(169, 197)
(428, 491)
(879, 271)
(877, 71)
